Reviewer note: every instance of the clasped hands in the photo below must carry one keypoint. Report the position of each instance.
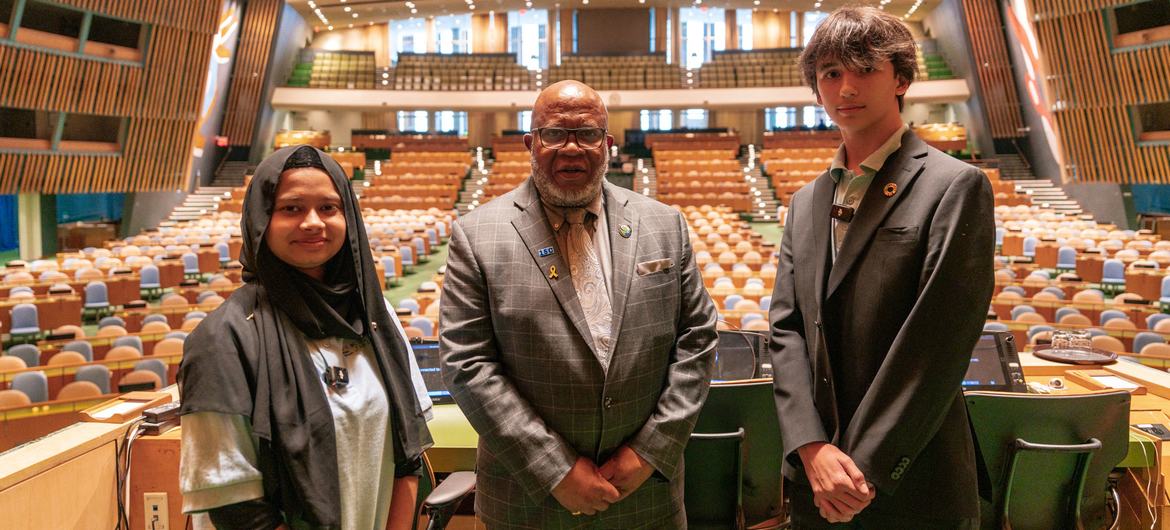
(589, 489)
(840, 490)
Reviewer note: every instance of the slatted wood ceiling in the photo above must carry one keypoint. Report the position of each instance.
(261, 18)
(995, 73)
(159, 99)
(1097, 87)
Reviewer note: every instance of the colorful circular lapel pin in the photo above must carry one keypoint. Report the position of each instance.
(890, 189)
(625, 231)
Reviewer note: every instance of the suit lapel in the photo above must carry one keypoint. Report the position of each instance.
(534, 230)
(900, 169)
(623, 251)
(822, 202)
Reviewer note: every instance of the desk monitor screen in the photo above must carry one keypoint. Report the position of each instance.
(427, 355)
(738, 354)
(995, 365)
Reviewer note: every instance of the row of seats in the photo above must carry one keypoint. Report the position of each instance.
(487, 72)
(333, 69)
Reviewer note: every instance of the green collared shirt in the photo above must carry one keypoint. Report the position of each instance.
(851, 187)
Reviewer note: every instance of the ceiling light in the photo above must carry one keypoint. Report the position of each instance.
(413, 11)
(348, 9)
(355, 15)
(330, 28)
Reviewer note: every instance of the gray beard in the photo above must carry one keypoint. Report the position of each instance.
(550, 193)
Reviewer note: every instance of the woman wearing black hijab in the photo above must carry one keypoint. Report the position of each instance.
(298, 394)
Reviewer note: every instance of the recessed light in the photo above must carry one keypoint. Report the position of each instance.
(348, 9)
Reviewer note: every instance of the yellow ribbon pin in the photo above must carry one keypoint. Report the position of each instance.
(552, 272)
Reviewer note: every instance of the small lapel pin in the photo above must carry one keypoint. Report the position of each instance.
(625, 231)
(545, 252)
(552, 272)
(890, 189)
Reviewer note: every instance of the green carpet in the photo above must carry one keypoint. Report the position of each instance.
(770, 229)
(9, 255)
(410, 282)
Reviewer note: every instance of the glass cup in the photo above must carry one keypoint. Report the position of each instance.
(1071, 339)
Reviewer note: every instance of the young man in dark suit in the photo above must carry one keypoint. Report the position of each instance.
(873, 325)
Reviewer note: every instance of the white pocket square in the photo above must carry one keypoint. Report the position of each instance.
(658, 265)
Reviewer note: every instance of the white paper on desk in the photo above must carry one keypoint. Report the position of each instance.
(124, 407)
(1113, 381)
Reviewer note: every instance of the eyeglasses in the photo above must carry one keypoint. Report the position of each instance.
(557, 137)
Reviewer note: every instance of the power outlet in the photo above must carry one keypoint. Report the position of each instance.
(156, 512)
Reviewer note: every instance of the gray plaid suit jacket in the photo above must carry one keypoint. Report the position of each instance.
(518, 360)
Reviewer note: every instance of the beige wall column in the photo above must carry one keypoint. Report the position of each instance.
(731, 39)
(431, 34)
(28, 216)
(660, 16)
(771, 30)
(481, 126)
(799, 29)
(554, 51)
(566, 32)
(676, 36)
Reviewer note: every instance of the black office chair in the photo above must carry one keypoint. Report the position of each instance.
(750, 406)
(714, 480)
(1049, 456)
(438, 501)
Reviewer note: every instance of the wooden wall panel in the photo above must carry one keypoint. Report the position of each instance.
(989, 47)
(257, 32)
(1093, 88)
(158, 100)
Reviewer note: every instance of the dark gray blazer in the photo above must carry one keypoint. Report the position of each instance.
(869, 352)
(517, 360)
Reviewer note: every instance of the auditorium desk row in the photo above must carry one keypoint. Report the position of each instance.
(49, 468)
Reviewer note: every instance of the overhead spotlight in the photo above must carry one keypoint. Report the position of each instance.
(355, 15)
(756, 2)
(330, 28)
(585, 2)
(347, 9)
(413, 11)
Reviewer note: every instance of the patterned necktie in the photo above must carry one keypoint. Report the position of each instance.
(589, 281)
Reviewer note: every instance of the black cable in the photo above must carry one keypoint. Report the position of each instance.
(122, 460)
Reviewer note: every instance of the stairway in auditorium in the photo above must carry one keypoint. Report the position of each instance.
(477, 177)
(764, 201)
(1043, 192)
(206, 198)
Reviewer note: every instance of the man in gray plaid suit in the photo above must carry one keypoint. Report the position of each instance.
(577, 337)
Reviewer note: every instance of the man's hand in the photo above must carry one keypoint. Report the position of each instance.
(839, 488)
(626, 470)
(584, 490)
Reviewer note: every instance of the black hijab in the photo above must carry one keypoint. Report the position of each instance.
(248, 357)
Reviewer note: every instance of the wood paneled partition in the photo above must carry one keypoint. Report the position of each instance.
(1094, 87)
(245, 93)
(989, 47)
(156, 101)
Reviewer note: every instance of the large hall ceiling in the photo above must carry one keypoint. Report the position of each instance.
(376, 11)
